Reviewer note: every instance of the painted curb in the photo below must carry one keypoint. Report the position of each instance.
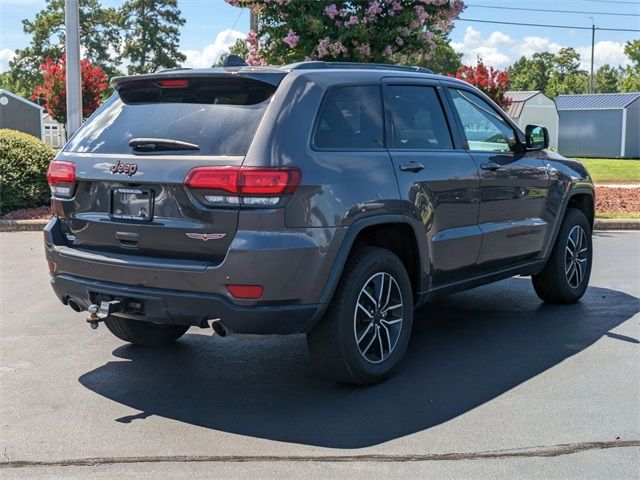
(617, 224)
(38, 225)
(22, 225)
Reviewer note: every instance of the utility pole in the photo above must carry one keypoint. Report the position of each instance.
(253, 21)
(593, 43)
(74, 81)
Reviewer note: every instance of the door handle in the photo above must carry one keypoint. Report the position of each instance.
(411, 167)
(491, 166)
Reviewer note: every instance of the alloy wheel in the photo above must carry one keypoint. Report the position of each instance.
(576, 256)
(377, 319)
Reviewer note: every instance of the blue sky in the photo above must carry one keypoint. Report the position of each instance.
(212, 24)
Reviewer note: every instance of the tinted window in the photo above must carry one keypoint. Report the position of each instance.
(485, 129)
(350, 118)
(417, 119)
(220, 116)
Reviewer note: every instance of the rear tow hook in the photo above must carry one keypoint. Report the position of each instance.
(98, 313)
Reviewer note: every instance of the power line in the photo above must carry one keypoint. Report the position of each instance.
(554, 11)
(614, 1)
(572, 27)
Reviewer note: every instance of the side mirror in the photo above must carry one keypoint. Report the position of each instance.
(537, 137)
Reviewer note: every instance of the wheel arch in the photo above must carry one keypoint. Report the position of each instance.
(375, 231)
(582, 198)
(585, 202)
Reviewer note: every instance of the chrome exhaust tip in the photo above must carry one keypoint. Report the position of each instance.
(218, 327)
(74, 306)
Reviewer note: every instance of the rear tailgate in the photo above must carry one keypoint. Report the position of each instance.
(134, 199)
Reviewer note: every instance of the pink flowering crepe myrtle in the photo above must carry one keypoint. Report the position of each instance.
(361, 31)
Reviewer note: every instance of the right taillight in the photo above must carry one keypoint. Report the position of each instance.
(62, 178)
(249, 186)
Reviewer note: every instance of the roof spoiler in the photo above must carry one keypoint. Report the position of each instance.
(272, 77)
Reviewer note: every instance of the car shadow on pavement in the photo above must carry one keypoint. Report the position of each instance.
(466, 349)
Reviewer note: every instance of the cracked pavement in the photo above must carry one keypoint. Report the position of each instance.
(495, 385)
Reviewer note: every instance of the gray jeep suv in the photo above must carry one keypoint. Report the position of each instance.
(321, 198)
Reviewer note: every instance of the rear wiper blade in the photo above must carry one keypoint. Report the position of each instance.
(156, 144)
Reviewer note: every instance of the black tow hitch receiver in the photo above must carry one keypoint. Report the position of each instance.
(97, 313)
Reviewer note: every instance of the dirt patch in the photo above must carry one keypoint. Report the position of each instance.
(617, 200)
(37, 213)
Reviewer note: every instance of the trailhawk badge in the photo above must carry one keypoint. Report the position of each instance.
(206, 236)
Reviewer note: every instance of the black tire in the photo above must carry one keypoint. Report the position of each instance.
(333, 341)
(144, 333)
(553, 284)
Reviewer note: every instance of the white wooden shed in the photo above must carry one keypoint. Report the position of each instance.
(534, 108)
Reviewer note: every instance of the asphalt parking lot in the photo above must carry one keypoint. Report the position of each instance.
(495, 384)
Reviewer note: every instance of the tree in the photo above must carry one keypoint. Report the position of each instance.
(566, 76)
(566, 61)
(630, 81)
(571, 83)
(367, 31)
(99, 38)
(443, 60)
(151, 35)
(9, 81)
(52, 92)
(632, 50)
(531, 74)
(491, 81)
(606, 79)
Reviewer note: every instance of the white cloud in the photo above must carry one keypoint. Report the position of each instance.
(472, 37)
(6, 55)
(532, 44)
(211, 53)
(498, 38)
(500, 50)
(605, 51)
(474, 46)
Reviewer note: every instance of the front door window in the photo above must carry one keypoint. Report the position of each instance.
(485, 129)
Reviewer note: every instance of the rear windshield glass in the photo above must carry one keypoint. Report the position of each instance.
(221, 116)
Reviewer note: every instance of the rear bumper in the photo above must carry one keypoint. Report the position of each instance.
(196, 309)
(193, 292)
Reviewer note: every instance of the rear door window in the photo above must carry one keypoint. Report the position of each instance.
(416, 118)
(350, 118)
(221, 116)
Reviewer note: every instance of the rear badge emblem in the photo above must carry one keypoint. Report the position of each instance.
(206, 236)
(124, 168)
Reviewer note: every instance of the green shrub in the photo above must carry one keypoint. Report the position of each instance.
(23, 170)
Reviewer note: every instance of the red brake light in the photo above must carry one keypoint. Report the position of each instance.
(245, 180)
(214, 178)
(245, 291)
(172, 83)
(61, 177)
(61, 172)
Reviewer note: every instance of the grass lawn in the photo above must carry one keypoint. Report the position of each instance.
(610, 170)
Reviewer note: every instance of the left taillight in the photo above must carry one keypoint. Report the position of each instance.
(62, 178)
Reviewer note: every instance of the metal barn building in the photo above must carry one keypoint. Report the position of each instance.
(20, 114)
(534, 108)
(599, 125)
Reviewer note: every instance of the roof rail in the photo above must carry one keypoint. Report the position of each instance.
(313, 65)
(176, 69)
